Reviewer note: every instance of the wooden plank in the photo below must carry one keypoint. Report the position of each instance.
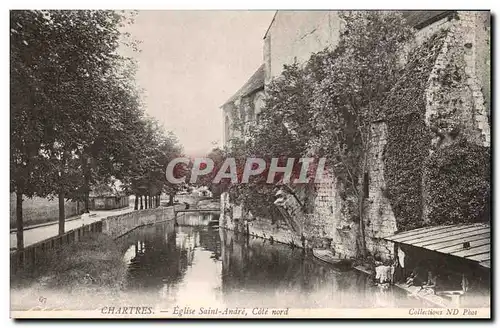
(444, 233)
(457, 245)
(472, 251)
(458, 240)
(425, 234)
(401, 237)
(480, 257)
(429, 231)
(486, 263)
(419, 230)
(446, 237)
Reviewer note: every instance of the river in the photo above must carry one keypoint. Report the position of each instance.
(192, 264)
(197, 265)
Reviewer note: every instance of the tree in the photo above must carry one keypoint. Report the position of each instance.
(27, 116)
(355, 79)
(87, 94)
(70, 102)
(151, 149)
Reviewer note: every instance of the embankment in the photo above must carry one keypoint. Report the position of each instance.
(118, 225)
(93, 262)
(86, 255)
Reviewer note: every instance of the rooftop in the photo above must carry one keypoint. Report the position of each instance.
(417, 18)
(468, 241)
(255, 82)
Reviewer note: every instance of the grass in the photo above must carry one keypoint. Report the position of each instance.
(91, 264)
(41, 210)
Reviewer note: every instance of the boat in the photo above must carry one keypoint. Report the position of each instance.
(213, 223)
(327, 256)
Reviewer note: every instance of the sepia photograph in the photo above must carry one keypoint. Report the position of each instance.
(250, 164)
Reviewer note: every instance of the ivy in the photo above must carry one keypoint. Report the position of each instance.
(409, 139)
(458, 183)
(407, 147)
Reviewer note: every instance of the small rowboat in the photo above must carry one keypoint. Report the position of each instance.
(213, 223)
(327, 256)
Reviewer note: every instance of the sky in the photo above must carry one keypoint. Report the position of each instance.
(191, 62)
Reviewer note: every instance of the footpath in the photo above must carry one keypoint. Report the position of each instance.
(37, 233)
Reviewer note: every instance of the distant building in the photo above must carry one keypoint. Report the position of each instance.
(244, 106)
(108, 197)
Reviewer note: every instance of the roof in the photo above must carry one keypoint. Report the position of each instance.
(422, 18)
(451, 240)
(416, 18)
(255, 82)
(271, 24)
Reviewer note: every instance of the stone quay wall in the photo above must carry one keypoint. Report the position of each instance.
(118, 225)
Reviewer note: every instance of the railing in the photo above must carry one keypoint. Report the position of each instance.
(200, 210)
(30, 254)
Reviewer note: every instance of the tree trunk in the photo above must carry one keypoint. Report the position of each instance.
(136, 203)
(361, 224)
(171, 199)
(19, 220)
(61, 213)
(146, 201)
(361, 207)
(86, 202)
(158, 201)
(86, 182)
(142, 207)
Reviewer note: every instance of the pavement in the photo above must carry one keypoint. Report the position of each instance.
(35, 235)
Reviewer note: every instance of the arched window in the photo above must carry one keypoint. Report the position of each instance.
(243, 114)
(258, 104)
(227, 129)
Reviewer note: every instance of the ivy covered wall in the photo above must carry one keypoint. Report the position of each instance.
(437, 153)
(408, 137)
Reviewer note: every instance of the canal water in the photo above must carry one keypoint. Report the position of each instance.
(193, 264)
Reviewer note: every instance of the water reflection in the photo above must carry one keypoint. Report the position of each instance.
(198, 265)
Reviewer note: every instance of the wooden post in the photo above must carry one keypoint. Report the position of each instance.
(19, 220)
(61, 213)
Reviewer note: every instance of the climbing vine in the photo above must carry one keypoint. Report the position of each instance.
(409, 139)
(458, 182)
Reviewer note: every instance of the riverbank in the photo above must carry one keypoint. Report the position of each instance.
(90, 265)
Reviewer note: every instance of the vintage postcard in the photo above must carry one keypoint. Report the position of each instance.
(250, 164)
